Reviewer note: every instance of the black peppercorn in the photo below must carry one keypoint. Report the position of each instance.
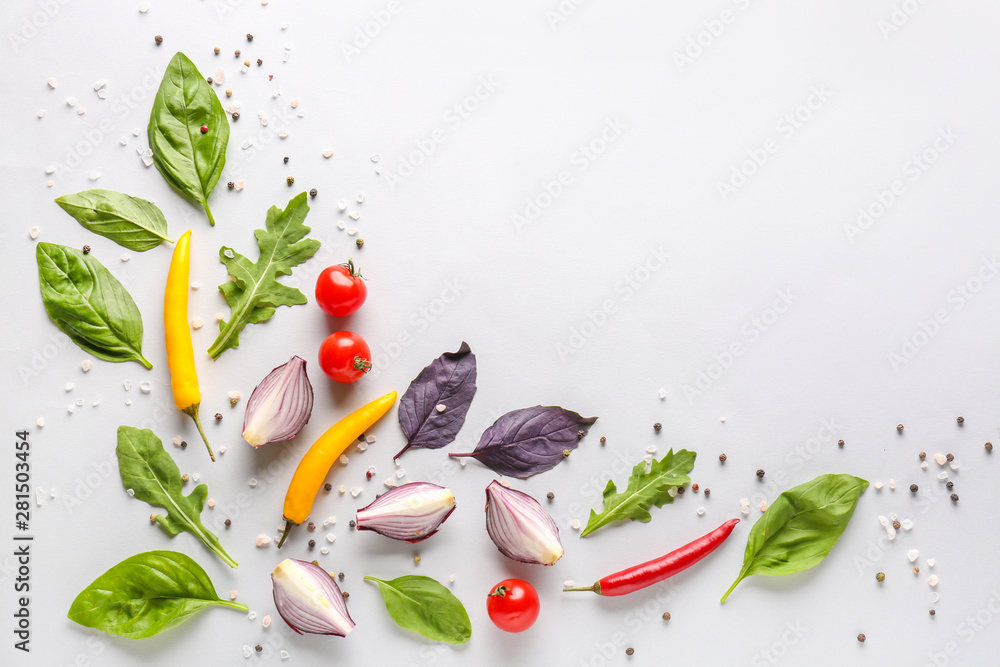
(230, 185)
(285, 159)
(236, 53)
(760, 473)
(217, 50)
(228, 523)
(896, 525)
(352, 523)
(258, 648)
(629, 651)
(932, 612)
(862, 638)
(840, 443)
(922, 455)
(950, 484)
(988, 446)
(657, 426)
(184, 444)
(259, 62)
(666, 616)
(86, 250)
(722, 458)
(158, 39)
(913, 488)
(249, 37)
(954, 497)
(209, 79)
(680, 490)
(708, 492)
(313, 193)
(899, 427)
(949, 457)
(236, 115)
(550, 495)
(340, 575)
(218, 416)
(328, 487)
(960, 420)
(346, 595)
(312, 544)
(604, 440)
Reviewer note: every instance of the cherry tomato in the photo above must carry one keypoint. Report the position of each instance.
(513, 605)
(345, 356)
(340, 290)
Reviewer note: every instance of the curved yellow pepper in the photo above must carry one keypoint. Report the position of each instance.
(180, 352)
(316, 463)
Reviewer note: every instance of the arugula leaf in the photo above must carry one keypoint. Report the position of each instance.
(130, 222)
(146, 594)
(800, 527)
(644, 490)
(191, 162)
(153, 477)
(253, 293)
(89, 304)
(426, 607)
(449, 380)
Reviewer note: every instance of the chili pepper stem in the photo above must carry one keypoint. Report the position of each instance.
(288, 528)
(192, 411)
(596, 588)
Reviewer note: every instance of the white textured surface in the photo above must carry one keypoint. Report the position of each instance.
(577, 307)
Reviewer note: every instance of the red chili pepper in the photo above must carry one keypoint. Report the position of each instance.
(651, 572)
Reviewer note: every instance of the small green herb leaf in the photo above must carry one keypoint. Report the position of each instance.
(644, 490)
(800, 527)
(153, 477)
(89, 304)
(426, 607)
(190, 161)
(253, 293)
(130, 222)
(146, 594)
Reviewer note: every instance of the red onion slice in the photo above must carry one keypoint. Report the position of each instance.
(412, 512)
(520, 528)
(280, 405)
(309, 600)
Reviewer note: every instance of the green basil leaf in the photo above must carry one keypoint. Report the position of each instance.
(426, 607)
(800, 527)
(130, 222)
(153, 477)
(191, 162)
(253, 292)
(146, 594)
(89, 304)
(644, 490)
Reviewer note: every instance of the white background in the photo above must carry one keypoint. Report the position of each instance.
(546, 306)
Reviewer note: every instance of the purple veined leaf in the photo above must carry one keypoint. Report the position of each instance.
(528, 441)
(449, 381)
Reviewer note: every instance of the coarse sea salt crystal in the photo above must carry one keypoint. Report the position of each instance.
(79, 402)
(662, 394)
(907, 524)
(69, 386)
(342, 205)
(52, 83)
(935, 597)
(329, 521)
(34, 232)
(328, 153)
(39, 496)
(892, 485)
(342, 489)
(440, 407)
(400, 474)
(933, 580)
(80, 111)
(355, 491)
(330, 537)
(931, 562)
(263, 540)
(884, 520)
(144, 7)
(284, 655)
(197, 323)
(352, 231)
(71, 101)
(912, 555)
(651, 449)
(953, 465)
(123, 141)
(70, 408)
(361, 198)
(324, 551)
(701, 511)
(252, 615)
(940, 459)
(145, 387)
(354, 215)
(50, 170)
(343, 459)
(878, 486)
(86, 365)
(263, 118)
(575, 524)
(942, 475)
(102, 94)
(370, 439)
(93, 175)
(923, 465)
(178, 440)
(282, 133)
(389, 482)
(247, 651)
(266, 623)
(362, 446)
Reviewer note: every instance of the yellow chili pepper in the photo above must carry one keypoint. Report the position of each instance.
(315, 465)
(180, 353)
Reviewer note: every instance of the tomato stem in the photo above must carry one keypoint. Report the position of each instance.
(354, 272)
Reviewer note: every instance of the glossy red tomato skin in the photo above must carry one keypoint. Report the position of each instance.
(340, 290)
(341, 352)
(517, 609)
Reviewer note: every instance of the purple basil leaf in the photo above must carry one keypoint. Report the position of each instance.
(528, 441)
(450, 380)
